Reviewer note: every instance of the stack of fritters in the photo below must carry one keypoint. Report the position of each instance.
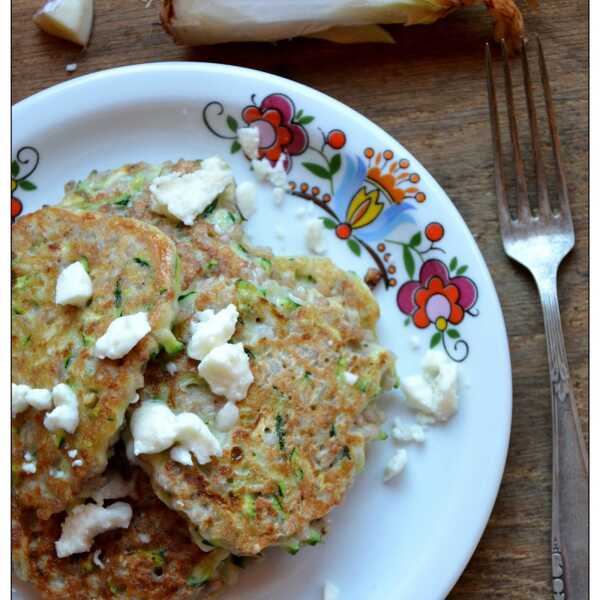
(308, 329)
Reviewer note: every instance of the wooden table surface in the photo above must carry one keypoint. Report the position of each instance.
(429, 92)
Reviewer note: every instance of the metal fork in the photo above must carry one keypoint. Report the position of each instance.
(539, 242)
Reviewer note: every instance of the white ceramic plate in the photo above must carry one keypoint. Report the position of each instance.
(407, 539)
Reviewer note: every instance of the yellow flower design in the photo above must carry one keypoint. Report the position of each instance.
(363, 209)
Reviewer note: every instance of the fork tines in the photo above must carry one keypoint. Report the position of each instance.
(524, 213)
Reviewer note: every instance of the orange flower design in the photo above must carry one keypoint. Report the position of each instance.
(279, 134)
(438, 303)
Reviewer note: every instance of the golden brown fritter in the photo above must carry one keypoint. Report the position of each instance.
(133, 268)
(305, 324)
(153, 559)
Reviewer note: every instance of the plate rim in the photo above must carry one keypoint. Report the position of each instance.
(454, 572)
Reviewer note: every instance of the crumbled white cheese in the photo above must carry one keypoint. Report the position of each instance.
(73, 285)
(249, 140)
(171, 368)
(275, 175)
(115, 487)
(195, 436)
(181, 455)
(435, 391)
(86, 521)
(245, 197)
(29, 467)
(210, 329)
(67, 19)
(96, 559)
(57, 473)
(424, 419)
(227, 417)
(226, 369)
(314, 236)
(22, 396)
(135, 399)
(350, 378)
(155, 428)
(185, 196)
(122, 335)
(77, 462)
(330, 591)
(72, 453)
(144, 538)
(28, 456)
(395, 465)
(65, 415)
(407, 433)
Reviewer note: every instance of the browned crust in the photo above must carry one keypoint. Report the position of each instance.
(157, 569)
(113, 382)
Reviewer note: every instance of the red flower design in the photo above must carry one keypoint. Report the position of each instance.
(436, 298)
(278, 134)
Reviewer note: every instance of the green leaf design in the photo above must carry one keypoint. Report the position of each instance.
(299, 114)
(409, 262)
(317, 170)
(453, 333)
(306, 120)
(436, 338)
(462, 270)
(453, 263)
(406, 321)
(28, 186)
(415, 240)
(329, 224)
(335, 163)
(14, 168)
(232, 123)
(354, 246)
(235, 147)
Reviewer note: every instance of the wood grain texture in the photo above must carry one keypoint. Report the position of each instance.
(429, 92)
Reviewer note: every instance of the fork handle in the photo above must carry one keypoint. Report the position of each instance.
(570, 516)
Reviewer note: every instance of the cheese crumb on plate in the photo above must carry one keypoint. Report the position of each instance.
(314, 236)
(407, 433)
(395, 465)
(245, 197)
(249, 140)
(435, 390)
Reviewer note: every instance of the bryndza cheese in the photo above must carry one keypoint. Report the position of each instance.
(184, 196)
(122, 335)
(86, 521)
